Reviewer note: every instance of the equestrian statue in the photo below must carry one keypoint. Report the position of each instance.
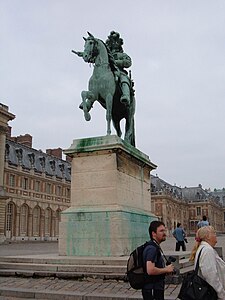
(110, 83)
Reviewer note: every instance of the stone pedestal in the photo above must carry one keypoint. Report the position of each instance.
(110, 199)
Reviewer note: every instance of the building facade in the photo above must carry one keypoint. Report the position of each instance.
(5, 117)
(34, 187)
(186, 205)
(38, 188)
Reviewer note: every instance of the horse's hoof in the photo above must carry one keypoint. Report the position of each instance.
(87, 116)
(125, 100)
(88, 105)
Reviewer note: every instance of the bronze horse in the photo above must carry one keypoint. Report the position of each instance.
(104, 88)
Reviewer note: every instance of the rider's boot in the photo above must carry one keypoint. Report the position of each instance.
(125, 98)
(88, 105)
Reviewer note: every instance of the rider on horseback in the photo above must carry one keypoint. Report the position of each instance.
(122, 60)
(109, 83)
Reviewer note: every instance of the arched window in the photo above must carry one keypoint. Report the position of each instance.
(36, 221)
(24, 220)
(10, 220)
(48, 221)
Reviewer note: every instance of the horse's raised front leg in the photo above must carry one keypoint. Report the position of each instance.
(109, 100)
(87, 101)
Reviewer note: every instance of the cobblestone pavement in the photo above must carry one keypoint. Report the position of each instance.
(54, 288)
(13, 288)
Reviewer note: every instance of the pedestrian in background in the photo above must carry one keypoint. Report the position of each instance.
(203, 222)
(180, 236)
(211, 266)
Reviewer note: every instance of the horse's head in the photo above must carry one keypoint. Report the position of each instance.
(90, 49)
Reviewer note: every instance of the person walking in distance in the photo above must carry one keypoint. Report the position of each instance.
(203, 222)
(155, 264)
(180, 236)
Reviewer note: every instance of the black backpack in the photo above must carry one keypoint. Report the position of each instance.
(136, 271)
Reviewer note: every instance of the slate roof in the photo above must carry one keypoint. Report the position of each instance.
(188, 194)
(159, 185)
(219, 195)
(196, 194)
(29, 158)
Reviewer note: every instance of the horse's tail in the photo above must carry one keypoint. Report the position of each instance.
(130, 132)
(133, 107)
(133, 134)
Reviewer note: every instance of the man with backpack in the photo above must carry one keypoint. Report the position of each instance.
(154, 263)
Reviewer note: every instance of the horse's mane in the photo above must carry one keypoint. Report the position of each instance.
(112, 62)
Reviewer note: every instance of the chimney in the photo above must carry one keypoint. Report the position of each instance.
(55, 152)
(9, 132)
(69, 158)
(25, 139)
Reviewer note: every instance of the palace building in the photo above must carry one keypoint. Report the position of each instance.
(187, 205)
(35, 189)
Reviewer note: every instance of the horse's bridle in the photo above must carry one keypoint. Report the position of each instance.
(94, 50)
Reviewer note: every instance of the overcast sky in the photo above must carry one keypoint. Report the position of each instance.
(178, 53)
